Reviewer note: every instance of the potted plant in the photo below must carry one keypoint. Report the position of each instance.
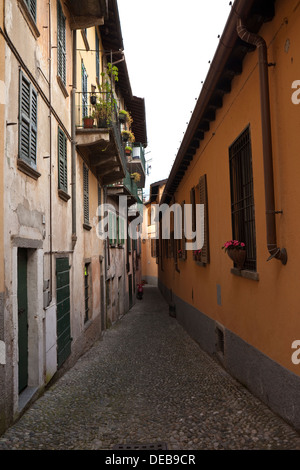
(88, 121)
(136, 177)
(127, 136)
(128, 150)
(236, 251)
(123, 116)
(197, 255)
(103, 112)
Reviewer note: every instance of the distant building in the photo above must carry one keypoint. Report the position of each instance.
(149, 237)
(239, 159)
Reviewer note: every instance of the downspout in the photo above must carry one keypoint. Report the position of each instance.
(50, 160)
(259, 42)
(73, 136)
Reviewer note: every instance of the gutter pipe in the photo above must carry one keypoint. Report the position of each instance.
(73, 134)
(259, 42)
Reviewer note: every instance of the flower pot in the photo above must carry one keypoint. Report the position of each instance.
(238, 256)
(122, 118)
(125, 137)
(102, 123)
(88, 123)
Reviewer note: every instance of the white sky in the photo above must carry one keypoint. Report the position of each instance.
(167, 45)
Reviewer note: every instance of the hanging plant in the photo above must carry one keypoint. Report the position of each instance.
(128, 150)
(123, 116)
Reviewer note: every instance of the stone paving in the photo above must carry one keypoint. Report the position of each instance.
(147, 381)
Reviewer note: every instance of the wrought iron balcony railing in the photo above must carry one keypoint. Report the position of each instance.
(96, 112)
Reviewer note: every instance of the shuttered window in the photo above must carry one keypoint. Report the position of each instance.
(121, 231)
(205, 258)
(199, 196)
(61, 43)
(183, 240)
(112, 228)
(242, 197)
(84, 87)
(27, 121)
(62, 161)
(86, 210)
(31, 5)
(97, 57)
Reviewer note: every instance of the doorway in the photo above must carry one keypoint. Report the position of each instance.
(22, 320)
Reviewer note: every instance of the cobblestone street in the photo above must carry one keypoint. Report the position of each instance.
(146, 382)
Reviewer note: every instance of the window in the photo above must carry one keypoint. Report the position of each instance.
(121, 230)
(153, 248)
(62, 161)
(61, 44)
(97, 57)
(199, 196)
(86, 209)
(112, 228)
(84, 89)
(27, 122)
(242, 198)
(31, 5)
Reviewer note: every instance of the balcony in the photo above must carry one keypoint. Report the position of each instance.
(86, 14)
(99, 142)
(136, 163)
(126, 187)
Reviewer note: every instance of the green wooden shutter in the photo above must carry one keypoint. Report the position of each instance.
(33, 125)
(97, 57)
(62, 161)
(31, 5)
(86, 194)
(61, 43)
(205, 258)
(84, 86)
(121, 230)
(112, 228)
(27, 121)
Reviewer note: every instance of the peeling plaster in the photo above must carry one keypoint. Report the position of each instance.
(28, 218)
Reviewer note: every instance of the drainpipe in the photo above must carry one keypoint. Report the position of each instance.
(50, 160)
(73, 135)
(259, 42)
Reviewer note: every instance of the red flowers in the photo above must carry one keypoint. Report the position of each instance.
(234, 244)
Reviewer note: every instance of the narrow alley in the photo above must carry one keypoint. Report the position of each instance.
(146, 381)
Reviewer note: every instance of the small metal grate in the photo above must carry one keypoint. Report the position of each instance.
(157, 446)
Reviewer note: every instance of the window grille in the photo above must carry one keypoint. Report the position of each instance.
(242, 197)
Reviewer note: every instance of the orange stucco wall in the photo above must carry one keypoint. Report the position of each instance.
(265, 313)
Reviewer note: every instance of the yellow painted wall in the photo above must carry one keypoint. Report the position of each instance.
(264, 313)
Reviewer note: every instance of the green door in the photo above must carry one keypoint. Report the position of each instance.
(22, 319)
(63, 310)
